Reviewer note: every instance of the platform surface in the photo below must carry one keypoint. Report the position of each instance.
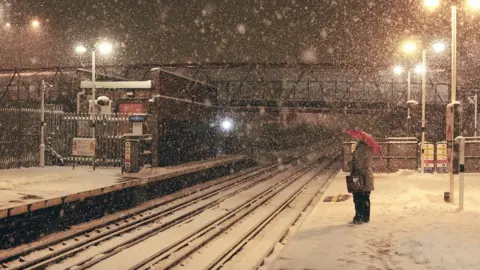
(411, 227)
(30, 189)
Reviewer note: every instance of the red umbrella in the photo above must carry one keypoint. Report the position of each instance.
(365, 137)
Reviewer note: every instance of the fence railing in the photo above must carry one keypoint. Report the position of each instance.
(20, 136)
(397, 154)
(109, 129)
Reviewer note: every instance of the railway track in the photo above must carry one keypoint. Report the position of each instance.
(42, 256)
(228, 235)
(97, 247)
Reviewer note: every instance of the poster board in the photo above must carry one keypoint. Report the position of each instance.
(83, 147)
(428, 157)
(442, 158)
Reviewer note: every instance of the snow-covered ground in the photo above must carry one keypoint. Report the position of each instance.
(411, 227)
(30, 185)
(17, 178)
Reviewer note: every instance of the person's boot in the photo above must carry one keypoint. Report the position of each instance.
(356, 221)
(366, 211)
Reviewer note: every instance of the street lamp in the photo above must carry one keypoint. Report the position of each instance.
(438, 47)
(35, 24)
(473, 4)
(104, 48)
(398, 69)
(409, 47)
(420, 69)
(80, 49)
(431, 4)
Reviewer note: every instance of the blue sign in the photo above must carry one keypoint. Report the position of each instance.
(137, 118)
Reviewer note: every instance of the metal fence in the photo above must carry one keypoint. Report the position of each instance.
(397, 154)
(20, 136)
(109, 129)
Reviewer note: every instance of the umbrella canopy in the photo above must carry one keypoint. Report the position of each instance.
(365, 137)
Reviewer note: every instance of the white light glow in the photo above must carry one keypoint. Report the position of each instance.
(474, 4)
(35, 24)
(227, 124)
(439, 47)
(419, 69)
(105, 48)
(431, 3)
(398, 69)
(409, 47)
(80, 49)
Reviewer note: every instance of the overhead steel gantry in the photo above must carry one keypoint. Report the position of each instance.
(247, 86)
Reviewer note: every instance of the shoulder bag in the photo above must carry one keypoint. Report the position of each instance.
(355, 181)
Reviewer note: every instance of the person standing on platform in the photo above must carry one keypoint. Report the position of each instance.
(362, 164)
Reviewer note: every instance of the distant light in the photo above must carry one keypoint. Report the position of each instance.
(431, 4)
(439, 47)
(474, 4)
(227, 124)
(419, 69)
(35, 24)
(8, 25)
(105, 48)
(80, 49)
(398, 69)
(409, 47)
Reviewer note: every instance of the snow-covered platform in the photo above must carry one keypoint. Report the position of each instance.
(31, 189)
(411, 227)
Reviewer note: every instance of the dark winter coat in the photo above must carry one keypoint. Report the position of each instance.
(363, 155)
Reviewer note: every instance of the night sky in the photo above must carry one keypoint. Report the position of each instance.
(358, 32)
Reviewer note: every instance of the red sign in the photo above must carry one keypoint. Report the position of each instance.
(127, 108)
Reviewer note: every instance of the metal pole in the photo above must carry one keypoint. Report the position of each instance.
(408, 99)
(476, 105)
(454, 90)
(454, 53)
(461, 189)
(93, 102)
(42, 127)
(424, 75)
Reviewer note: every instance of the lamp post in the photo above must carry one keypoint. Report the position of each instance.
(475, 103)
(105, 48)
(473, 4)
(409, 47)
(42, 129)
(399, 70)
(42, 122)
(438, 47)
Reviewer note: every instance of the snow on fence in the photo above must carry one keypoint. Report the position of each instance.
(20, 136)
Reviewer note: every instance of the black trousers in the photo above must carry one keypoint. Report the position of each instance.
(362, 206)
